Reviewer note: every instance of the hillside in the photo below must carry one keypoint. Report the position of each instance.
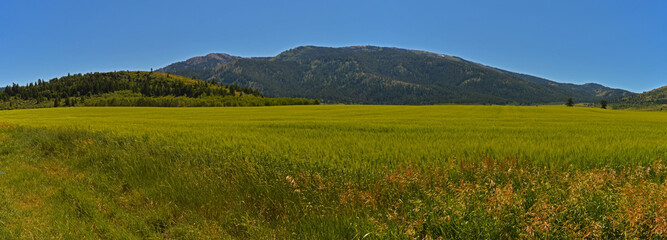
(587, 91)
(380, 75)
(654, 99)
(132, 88)
(197, 65)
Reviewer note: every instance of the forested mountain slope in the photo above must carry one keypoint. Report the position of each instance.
(655, 99)
(132, 88)
(197, 66)
(380, 75)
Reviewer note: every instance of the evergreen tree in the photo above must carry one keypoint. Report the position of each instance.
(603, 104)
(570, 102)
(132, 89)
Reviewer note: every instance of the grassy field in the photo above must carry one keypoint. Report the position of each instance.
(333, 172)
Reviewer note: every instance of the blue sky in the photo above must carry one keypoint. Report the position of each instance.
(620, 44)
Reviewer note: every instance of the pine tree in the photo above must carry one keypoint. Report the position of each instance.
(603, 104)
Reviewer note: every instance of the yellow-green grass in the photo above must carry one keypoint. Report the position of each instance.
(333, 172)
(371, 136)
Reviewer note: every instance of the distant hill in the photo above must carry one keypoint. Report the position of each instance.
(133, 88)
(194, 67)
(585, 92)
(381, 75)
(652, 100)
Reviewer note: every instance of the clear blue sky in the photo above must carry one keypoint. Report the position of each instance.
(616, 43)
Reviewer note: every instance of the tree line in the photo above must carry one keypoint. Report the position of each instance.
(149, 84)
(137, 88)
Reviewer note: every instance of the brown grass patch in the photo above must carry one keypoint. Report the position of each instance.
(6, 125)
(55, 170)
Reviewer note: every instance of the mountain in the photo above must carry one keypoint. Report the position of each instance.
(134, 88)
(382, 75)
(654, 99)
(584, 91)
(196, 65)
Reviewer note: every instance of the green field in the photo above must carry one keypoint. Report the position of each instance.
(333, 171)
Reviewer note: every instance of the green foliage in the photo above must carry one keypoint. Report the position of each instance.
(655, 99)
(147, 83)
(126, 98)
(332, 172)
(603, 104)
(585, 92)
(570, 102)
(374, 75)
(192, 67)
(144, 89)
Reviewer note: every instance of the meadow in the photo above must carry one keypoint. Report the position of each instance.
(333, 172)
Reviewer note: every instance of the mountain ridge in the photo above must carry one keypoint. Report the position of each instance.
(388, 75)
(655, 99)
(208, 61)
(586, 88)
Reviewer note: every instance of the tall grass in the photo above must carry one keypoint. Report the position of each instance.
(333, 172)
